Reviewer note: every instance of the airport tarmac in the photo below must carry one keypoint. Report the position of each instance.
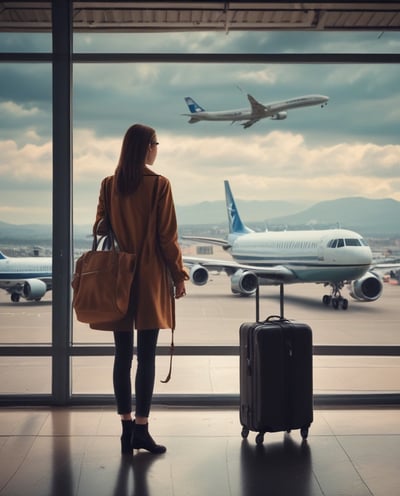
(211, 315)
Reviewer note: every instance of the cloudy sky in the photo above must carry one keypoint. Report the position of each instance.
(349, 148)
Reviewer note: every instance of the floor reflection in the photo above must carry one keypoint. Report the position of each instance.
(279, 468)
(65, 452)
(133, 474)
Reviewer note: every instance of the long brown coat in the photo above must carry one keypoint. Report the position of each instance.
(144, 223)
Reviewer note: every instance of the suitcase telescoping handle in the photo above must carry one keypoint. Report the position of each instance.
(281, 300)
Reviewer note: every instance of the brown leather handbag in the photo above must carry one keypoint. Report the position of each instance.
(102, 280)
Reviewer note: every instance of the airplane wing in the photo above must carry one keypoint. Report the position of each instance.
(212, 241)
(383, 268)
(277, 273)
(257, 111)
(249, 123)
(257, 108)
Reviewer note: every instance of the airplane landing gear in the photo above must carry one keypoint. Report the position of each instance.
(15, 297)
(336, 299)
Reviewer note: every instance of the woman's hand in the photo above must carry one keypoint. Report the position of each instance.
(180, 289)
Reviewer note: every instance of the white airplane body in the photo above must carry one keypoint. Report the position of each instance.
(28, 277)
(333, 257)
(257, 110)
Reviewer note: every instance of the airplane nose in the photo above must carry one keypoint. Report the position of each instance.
(366, 256)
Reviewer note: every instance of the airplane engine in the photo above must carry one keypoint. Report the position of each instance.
(244, 282)
(198, 275)
(367, 288)
(34, 289)
(279, 116)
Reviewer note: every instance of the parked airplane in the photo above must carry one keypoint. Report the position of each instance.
(332, 257)
(28, 277)
(257, 111)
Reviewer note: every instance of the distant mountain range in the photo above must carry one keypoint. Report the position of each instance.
(371, 218)
(37, 234)
(250, 211)
(368, 217)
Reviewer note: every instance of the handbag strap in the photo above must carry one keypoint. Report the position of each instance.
(172, 345)
(171, 355)
(109, 240)
(107, 217)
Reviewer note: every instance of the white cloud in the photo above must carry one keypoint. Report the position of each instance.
(278, 166)
(263, 76)
(32, 135)
(13, 109)
(29, 163)
(94, 157)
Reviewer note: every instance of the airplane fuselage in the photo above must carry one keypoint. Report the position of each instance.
(28, 277)
(17, 270)
(269, 110)
(313, 256)
(232, 115)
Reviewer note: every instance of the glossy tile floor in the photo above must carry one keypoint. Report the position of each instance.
(75, 451)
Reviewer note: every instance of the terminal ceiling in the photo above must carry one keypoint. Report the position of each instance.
(164, 16)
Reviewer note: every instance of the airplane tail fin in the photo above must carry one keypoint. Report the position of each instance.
(194, 107)
(236, 225)
(2, 256)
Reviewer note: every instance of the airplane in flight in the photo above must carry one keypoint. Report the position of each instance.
(25, 277)
(332, 257)
(276, 111)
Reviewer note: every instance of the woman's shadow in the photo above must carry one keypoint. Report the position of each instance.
(132, 476)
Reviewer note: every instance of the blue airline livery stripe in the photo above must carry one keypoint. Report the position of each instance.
(297, 263)
(24, 275)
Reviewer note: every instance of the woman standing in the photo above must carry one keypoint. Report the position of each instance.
(142, 215)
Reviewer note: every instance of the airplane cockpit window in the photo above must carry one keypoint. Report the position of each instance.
(339, 243)
(353, 242)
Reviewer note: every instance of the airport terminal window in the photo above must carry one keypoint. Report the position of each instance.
(213, 302)
(25, 42)
(235, 42)
(104, 106)
(25, 201)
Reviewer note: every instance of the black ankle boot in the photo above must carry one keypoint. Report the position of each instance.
(126, 437)
(141, 439)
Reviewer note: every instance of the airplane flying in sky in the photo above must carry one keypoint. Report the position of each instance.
(28, 277)
(332, 257)
(275, 111)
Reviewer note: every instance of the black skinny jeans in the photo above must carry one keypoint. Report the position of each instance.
(145, 373)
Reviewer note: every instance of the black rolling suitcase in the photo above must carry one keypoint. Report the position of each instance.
(276, 391)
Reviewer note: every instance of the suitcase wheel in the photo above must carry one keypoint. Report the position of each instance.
(260, 438)
(245, 432)
(304, 432)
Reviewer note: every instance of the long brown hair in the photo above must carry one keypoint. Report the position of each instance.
(132, 160)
